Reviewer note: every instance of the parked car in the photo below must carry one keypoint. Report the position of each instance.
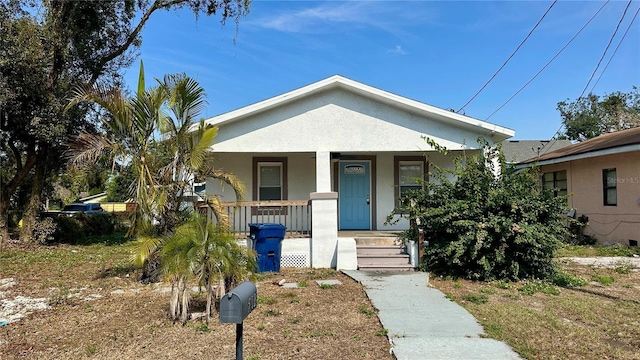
(77, 208)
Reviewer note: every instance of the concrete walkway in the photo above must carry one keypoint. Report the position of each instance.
(422, 323)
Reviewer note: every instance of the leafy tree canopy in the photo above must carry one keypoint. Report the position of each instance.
(593, 115)
(48, 48)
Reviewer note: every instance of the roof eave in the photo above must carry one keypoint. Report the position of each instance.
(495, 132)
(585, 155)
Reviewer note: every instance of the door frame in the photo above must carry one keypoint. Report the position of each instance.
(373, 194)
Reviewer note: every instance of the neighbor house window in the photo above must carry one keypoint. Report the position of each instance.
(555, 181)
(609, 183)
(269, 182)
(409, 172)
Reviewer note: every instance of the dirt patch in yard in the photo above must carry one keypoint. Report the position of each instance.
(97, 310)
(597, 320)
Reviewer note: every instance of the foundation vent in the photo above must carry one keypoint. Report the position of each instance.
(297, 260)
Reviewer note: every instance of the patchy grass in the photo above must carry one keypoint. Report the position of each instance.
(476, 299)
(362, 309)
(100, 311)
(541, 320)
(597, 250)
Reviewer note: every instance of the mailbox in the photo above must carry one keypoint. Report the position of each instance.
(238, 303)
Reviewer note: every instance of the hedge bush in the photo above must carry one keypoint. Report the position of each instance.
(73, 230)
(488, 223)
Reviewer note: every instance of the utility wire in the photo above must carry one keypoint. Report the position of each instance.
(554, 139)
(549, 62)
(616, 49)
(604, 53)
(509, 58)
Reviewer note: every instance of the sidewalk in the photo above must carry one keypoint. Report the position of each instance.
(422, 323)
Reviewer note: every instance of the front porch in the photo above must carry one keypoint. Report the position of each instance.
(295, 215)
(352, 249)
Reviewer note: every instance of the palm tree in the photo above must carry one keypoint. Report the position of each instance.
(199, 250)
(131, 125)
(155, 131)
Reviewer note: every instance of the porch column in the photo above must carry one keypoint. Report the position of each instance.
(323, 171)
(324, 215)
(324, 229)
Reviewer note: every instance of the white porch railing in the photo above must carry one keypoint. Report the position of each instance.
(294, 214)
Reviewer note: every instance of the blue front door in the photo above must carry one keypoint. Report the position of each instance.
(354, 195)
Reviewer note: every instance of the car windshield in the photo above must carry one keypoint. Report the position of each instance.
(74, 208)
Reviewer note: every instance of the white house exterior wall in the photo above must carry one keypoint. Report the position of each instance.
(337, 118)
(301, 174)
(338, 121)
(301, 178)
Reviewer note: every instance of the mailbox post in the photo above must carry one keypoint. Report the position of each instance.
(235, 306)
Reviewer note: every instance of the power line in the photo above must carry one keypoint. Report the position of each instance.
(509, 58)
(604, 53)
(616, 50)
(600, 61)
(549, 62)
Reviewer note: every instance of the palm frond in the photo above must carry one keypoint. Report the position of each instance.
(202, 147)
(232, 180)
(214, 205)
(87, 148)
(147, 245)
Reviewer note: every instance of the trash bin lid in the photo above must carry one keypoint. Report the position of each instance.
(267, 226)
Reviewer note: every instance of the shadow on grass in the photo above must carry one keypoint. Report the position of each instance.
(118, 271)
(110, 240)
(597, 293)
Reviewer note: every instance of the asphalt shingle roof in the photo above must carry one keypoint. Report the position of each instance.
(516, 151)
(602, 142)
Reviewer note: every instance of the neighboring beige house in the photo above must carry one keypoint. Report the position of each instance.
(334, 155)
(602, 175)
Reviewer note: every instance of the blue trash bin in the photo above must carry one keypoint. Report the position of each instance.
(267, 243)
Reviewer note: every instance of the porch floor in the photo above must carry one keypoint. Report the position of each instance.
(369, 233)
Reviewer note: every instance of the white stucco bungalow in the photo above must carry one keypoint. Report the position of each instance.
(334, 155)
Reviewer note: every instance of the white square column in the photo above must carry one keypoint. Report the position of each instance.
(324, 216)
(323, 171)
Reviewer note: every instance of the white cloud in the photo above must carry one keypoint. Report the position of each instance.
(329, 16)
(398, 50)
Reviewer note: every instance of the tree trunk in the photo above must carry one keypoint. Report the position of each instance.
(4, 218)
(35, 201)
(174, 303)
(185, 302)
(7, 190)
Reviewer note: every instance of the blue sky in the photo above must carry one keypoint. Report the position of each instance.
(439, 53)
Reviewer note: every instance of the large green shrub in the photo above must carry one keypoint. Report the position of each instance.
(75, 229)
(489, 223)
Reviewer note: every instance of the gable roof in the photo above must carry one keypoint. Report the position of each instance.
(498, 133)
(611, 143)
(516, 151)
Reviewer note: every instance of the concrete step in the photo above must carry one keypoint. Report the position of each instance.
(379, 267)
(383, 257)
(380, 249)
(377, 240)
